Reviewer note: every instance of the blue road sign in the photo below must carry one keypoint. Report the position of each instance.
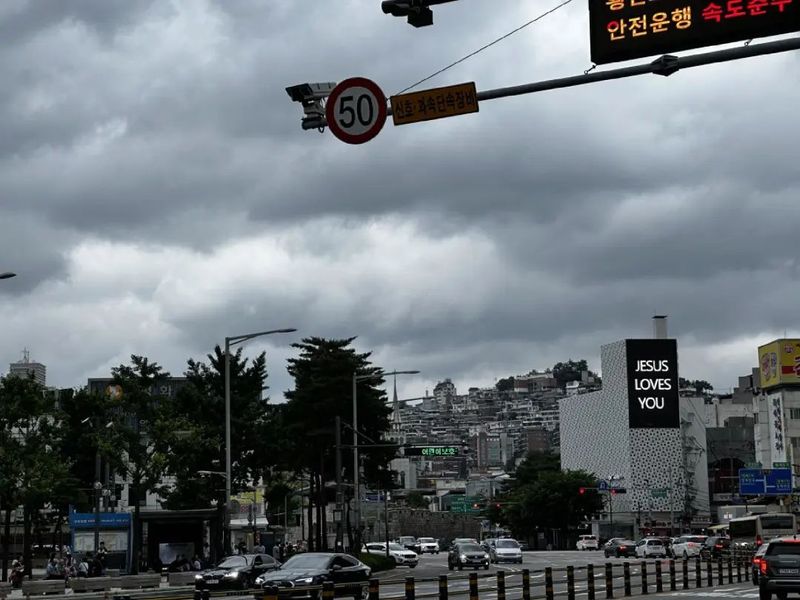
(602, 485)
(765, 482)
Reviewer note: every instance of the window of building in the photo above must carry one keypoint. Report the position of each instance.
(794, 413)
(755, 418)
(795, 441)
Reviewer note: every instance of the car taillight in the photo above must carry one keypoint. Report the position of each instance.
(756, 561)
(758, 541)
(691, 544)
(762, 566)
(717, 545)
(622, 547)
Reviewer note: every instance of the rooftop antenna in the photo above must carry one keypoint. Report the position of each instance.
(26, 355)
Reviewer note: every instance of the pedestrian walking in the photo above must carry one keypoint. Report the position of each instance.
(276, 551)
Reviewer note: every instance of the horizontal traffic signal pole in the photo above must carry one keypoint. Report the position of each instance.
(665, 65)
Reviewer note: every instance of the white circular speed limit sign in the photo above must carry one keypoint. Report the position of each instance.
(356, 110)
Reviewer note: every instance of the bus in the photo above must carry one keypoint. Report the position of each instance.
(754, 530)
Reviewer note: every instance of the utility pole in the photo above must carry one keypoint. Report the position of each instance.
(386, 519)
(671, 507)
(98, 486)
(339, 496)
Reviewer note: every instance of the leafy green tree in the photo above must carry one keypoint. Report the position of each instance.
(564, 372)
(416, 500)
(140, 435)
(323, 389)
(505, 385)
(541, 496)
(33, 470)
(198, 437)
(700, 386)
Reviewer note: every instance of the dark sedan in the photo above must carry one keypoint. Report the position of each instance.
(303, 576)
(619, 547)
(236, 572)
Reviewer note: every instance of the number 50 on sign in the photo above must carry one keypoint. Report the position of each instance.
(356, 110)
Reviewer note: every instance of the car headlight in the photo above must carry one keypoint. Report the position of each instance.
(485, 555)
(463, 557)
(259, 581)
(305, 580)
(198, 576)
(233, 575)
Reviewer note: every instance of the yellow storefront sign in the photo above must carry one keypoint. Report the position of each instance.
(779, 363)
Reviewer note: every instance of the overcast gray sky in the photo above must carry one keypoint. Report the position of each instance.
(157, 193)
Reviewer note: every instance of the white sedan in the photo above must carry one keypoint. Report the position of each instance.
(427, 544)
(587, 542)
(400, 555)
(648, 548)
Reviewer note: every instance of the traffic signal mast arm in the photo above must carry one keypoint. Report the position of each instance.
(665, 65)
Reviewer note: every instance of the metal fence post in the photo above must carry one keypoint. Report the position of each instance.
(739, 571)
(673, 584)
(442, 587)
(548, 583)
(374, 588)
(609, 581)
(730, 570)
(643, 568)
(685, 573)
(659, 579)
(626, 578)
(526, 584)
(570, 583)
(410, 589)
(720, 572)
(590, 582)
(473, 586)
(710, 573)
(501, 585)
(698, 573)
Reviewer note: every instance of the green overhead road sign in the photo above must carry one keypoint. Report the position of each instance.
(467, 504)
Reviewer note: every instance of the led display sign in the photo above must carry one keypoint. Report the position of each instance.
(628, 29)
(652, 383)
(430, 451)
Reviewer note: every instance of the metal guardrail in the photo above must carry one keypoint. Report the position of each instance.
(609, 580)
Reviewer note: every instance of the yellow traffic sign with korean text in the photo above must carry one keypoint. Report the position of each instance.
(438, 103)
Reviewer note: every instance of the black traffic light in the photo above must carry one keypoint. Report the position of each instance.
(418, 12)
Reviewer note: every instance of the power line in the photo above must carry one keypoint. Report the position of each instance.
(489, 45)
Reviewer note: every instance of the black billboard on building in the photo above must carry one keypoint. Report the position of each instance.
(627, 29)
(653, 400)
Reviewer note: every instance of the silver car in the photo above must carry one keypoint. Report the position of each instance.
(505, 550)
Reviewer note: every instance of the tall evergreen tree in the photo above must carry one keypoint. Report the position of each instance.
(323, 377)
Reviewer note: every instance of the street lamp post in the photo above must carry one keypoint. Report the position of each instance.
(233, 341)
(356, 474)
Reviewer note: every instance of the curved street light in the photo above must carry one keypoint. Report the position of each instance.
(232, 341)
(7, 275)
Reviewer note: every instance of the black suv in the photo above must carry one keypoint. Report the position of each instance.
(780, 568)
(715, 547)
